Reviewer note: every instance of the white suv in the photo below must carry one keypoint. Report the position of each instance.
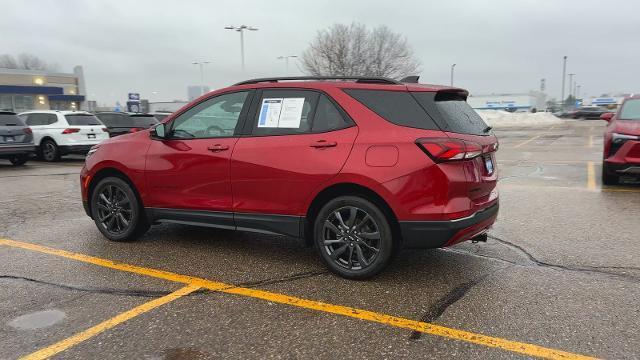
(58, 133)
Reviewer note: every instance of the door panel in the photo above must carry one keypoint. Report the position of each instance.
(276, 174)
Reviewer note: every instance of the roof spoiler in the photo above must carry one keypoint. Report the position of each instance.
(413, 79)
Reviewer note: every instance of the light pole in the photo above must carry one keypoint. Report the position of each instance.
(201, 64)
(564, 77)
(571, 84)
(578, 91)
(286, 61)
(241, 29)
(452, 67)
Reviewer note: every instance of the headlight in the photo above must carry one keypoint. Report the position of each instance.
(620, 138)
(92, 150)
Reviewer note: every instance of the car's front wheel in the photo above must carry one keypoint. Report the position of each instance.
(353, 237)
(607, 177)
(18, 160)
(116, 210)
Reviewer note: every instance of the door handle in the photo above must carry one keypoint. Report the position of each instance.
(323, 144)
(218, 147)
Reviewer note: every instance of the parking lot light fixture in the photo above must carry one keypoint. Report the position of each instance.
(286, 61)
(452, 68)
(201, 64)
(241, 29)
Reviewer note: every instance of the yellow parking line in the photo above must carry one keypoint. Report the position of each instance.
(69, 342)
(428, 328)
(591, 176)
(527, 141)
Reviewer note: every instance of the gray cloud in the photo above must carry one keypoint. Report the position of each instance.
(498, 46)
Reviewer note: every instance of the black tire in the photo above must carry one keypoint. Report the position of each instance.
(18, 160)
(338, 246)
(608, 178)
(49, 150)
(119, 216)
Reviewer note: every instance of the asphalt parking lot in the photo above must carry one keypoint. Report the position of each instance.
(558, 278)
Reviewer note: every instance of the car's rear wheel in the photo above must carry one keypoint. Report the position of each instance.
(18, 160)
(49, 150)
(607, 177)
(116, 210)
(353, 237)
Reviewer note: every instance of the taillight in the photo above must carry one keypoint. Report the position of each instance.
(27, 131)
(446, 149)
(105, 129)
(70, 130)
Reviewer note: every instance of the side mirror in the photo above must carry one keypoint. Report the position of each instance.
(607, 116)
(159, 131)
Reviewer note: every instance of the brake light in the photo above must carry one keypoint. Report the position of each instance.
(446, 149)
(27, 131)
(70, 130)
(105, 129)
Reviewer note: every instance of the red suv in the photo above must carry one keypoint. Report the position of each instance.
(359, 167)
(622, 142)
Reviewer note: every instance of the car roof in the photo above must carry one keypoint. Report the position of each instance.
(61, 112)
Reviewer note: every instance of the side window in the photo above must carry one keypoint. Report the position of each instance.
(282, 112)
(106, 119)
(328, 117)
(36, 119)
(216, 117)
(51, 118)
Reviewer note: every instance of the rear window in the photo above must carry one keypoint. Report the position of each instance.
(143, 121)
(398, 107)
(82, 119)
(452, 113)
(10, 120)
(630, 110)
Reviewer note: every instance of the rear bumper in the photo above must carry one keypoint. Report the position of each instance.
(75, 149)
(435, 234)
(622, 168)
(8, 150)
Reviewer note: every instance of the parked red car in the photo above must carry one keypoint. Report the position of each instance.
(359, 167)
(622, 142)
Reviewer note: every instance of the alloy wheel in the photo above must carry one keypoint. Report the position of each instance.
(351, 237)
(49, 151)
(114, 209)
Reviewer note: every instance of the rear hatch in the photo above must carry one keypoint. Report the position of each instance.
(13, 131)
(450, 111)
(84, 128)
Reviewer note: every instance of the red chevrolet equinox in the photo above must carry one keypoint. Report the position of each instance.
(622, 142)
(358, 167)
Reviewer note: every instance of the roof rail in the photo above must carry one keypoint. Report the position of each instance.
(358, 79)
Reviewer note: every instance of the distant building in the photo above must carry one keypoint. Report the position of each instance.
(509, 102)
(195, 91)
(22, 90)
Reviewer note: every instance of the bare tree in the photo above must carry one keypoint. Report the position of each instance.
(353, 50)
(25, 61)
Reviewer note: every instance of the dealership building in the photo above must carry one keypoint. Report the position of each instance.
(22, 90)
(510, 102)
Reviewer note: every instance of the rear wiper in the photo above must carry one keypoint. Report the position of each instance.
(487, 129)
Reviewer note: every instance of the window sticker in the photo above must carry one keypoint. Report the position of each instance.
(281, 113)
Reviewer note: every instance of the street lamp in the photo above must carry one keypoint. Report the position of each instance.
(286, 60)
(452, 67)
(564, 77)
(201, 64)
(241, 29)
(571, 84)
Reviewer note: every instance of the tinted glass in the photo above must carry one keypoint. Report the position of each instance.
(328, 117)
(39, 119)
(82, 119)
(216, 117)
(398, 107)
(142, 121)
(452, 112)
(161, 117)
(293, 106)
(10, 120)
(630, 110)
(112, 120)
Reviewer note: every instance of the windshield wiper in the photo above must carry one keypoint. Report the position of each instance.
(487, 129)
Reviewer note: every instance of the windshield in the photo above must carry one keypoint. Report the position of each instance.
(82, 119)
(10, 120)
(630, 110)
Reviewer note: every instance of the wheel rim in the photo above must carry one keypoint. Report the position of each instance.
(351, 238)
(114, 210)
(49, 151)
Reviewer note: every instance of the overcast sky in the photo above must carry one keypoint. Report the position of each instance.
(498, 46)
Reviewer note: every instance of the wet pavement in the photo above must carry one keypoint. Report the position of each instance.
(561, 270)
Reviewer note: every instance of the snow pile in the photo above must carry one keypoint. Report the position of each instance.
(501, 118)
